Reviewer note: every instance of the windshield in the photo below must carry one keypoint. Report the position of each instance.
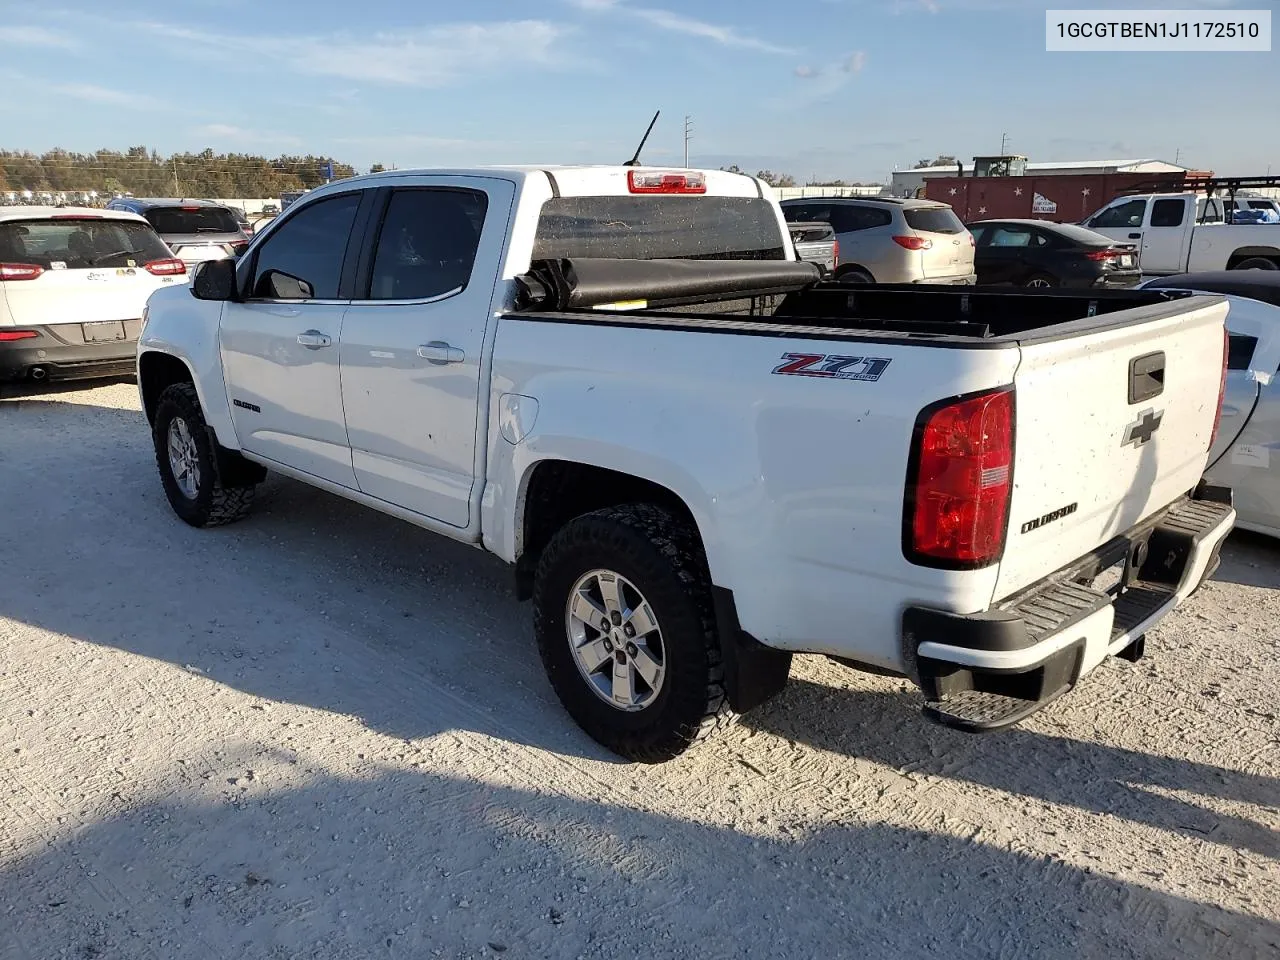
(651, 228)
(177, 220)
(78, 244)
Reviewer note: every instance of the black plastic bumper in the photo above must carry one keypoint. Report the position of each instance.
(61, 352)
(1153, 561)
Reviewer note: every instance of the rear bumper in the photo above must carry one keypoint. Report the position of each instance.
(59, 352)
(990, 670)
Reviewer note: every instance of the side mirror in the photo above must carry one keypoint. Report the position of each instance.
(214, 280)
(276, 285)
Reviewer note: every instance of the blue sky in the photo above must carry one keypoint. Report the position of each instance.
(846, 88)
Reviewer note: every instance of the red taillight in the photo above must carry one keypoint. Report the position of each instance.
(835, 253)
(20, 271)
(1103, 254)
(8, 336)
(1222, 387)
(972, 242)
(236, 247)
(914, 243)
(656, 181)
(961, 478)
(168, 267)
(189, 209)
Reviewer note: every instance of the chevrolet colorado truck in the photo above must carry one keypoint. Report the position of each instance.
(699, 457)
(1187, 233)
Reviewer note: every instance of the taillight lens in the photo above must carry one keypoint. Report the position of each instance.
(1103, 254)
(658, 181)
(835, 253)
(8, 336)
(168, 267)
(1222, 387)
(237, 247)
(20, 271)
(961, 480)
(914, 243)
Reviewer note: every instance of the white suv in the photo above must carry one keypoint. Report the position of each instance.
(888, 240)
(73, 284)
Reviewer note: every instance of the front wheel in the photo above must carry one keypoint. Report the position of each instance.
(195, 481)
(625, 629)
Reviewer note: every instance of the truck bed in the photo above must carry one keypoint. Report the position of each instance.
(787, 299)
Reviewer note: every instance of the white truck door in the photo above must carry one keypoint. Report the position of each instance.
(1121, 220)
(1166, 236)
(413, 341)
(280, 346)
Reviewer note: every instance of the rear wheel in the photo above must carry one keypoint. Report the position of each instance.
(1040, 281)
(625, 629)
(1256, 263)
(854, 275)
(206, 486)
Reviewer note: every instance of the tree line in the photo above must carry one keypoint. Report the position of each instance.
(787, 180)
(145, 172)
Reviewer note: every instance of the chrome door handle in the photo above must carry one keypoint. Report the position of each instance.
(314, 339)
(439, 352)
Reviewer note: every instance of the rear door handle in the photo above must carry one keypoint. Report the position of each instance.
(314, 339)
(1135, 236)
(439, 352)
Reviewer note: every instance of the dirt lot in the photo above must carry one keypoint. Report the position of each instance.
(323, 733)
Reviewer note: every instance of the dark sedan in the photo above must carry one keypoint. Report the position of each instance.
(1034, 253)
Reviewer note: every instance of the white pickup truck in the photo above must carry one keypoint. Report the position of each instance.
(1187, 233)
(698, 457)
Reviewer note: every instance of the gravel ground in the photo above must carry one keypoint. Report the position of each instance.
(324, 733)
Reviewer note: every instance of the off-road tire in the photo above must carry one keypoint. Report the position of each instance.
(661, 556)
(227, 482)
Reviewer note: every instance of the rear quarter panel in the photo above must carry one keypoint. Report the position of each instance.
(796, 483)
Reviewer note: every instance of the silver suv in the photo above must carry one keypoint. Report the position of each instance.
(195, 230)
(888, 240)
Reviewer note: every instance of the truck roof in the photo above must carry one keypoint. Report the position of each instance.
(46, 213)
(572, 180)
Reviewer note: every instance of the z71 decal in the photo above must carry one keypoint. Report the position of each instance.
(833, 367)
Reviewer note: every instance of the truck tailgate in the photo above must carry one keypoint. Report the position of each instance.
(1112, 424)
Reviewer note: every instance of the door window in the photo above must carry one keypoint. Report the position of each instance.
(1127, 214)
(302, 260)
(1012, 236)
(1168, 213)
(427, 245)
(850, 218)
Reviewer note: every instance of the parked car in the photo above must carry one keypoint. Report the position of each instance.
(1246, 454)
(816, 243)
(1172, 240)
(195, 230)
(570, 367)
(73, 285)
(890, 240)
(1033, 253)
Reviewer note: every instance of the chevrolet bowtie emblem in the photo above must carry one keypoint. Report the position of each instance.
(1142, 429)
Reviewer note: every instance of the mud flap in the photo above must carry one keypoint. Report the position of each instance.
(753, 672)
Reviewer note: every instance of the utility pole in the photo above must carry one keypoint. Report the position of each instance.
(1004, 138)
(1177, 157)
(688, 135)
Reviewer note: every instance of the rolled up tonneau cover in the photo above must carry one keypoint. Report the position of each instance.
(586, 282)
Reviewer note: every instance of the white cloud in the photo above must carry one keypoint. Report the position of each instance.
(429, 57)
(823, 81)
(92, 93)
(36, 37)
(724, 35)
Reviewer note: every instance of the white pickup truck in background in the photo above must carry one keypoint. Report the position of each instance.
(699, 458)
(1187, 233)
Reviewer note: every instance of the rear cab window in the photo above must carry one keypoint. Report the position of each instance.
(652, 228)
(933, 220)
(180, 220)
(80, 243)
